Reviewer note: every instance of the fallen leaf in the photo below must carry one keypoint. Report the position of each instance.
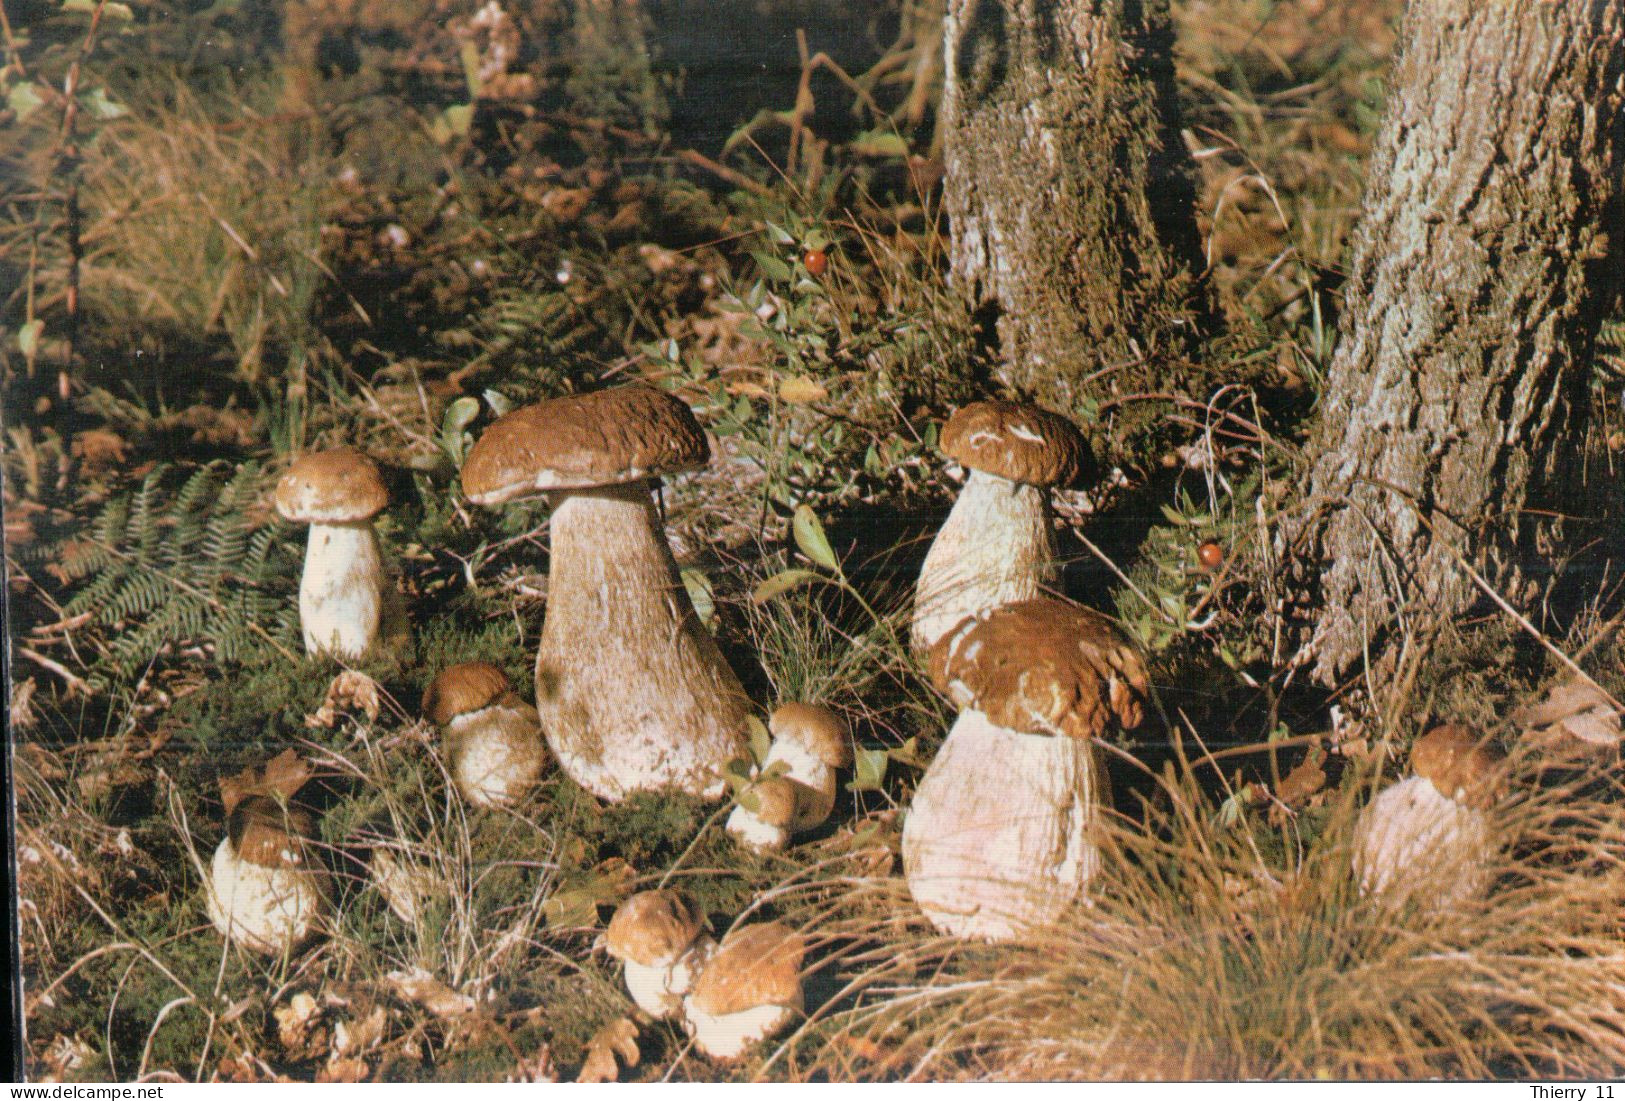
(350, 691)
(297, 1026)
(1574, 710)
(537, 1068)
(344, 1070)
(282, 775)
(618, 1039)
(421, 988)
(800, 390)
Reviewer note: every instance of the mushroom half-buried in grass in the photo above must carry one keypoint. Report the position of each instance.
(632, 691)
(267, 891)
(748, 991)
(1429, 838)
(493, 739)
(810, 744)
(342, 598)
(661, 938)
(999, 838)
(997, 546)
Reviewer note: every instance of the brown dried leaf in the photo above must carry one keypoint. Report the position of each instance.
(1575, 709)
(1303, 781)
(800, 390)
(344, 1070)
(298, 1026)
(350, 691)
(619, 1039)
(282, 775)
(421, 988)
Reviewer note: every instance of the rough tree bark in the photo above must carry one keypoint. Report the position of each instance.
(1069, 200)
(1487, 252)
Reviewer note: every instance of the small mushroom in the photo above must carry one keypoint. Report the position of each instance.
(999, 838)
(267, 892)
(766, 814)
(997, 546)
(662, 939)
(632, 691)
(342, 594)
(811, 742)
(493, 738)
(1429, 838)
(748, 991)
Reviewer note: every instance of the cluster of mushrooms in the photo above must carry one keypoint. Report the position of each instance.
(633, 695)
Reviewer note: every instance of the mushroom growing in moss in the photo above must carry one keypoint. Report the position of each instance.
(1429, 838)
(493, 738)
(632, 691)
(748, 991)
(766, 814)
(342, 593)
(661, 938)
(997, 546)
(999, 839)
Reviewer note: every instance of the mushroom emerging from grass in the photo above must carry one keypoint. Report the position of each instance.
(632, 691)
(1429, 838)
(748, 991)
(267, 891)
(999, 839)
(766, 814)
(342, 594)
(810, 744)
(661, 938)
(997, 546)
(493, 738)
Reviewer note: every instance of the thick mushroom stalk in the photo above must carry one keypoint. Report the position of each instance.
(632, 692)
(997, 546)
(1429, 839)
(624, 661)
(1001, 835)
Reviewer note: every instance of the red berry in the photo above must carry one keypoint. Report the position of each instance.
(1210, 555)
(816, 260)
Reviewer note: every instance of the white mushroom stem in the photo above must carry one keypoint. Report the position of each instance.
(996, 547)
(1413, 843)
(998, 840)
(341, 596)
(658, 988)
(633, 693)
(814, 780)
(496, 752)
(270, 910)
(729, 1035)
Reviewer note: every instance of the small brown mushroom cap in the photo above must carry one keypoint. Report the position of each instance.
(775, 799)
(817, 729)
(1020, 442)
(265, 832)
(605, 438)
(754, 966)
(340, 486)
(653, 927)
(1043, 667)
(1460, 763)
(460, 689)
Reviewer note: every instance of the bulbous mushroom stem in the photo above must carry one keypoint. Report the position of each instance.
(341, 595)
(496, 752)
(998, 841)
(264, 909)
(996, 547)
(1412, 843)
(727, 1036)
(632, 691)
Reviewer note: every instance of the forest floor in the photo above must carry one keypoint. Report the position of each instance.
(212, 277)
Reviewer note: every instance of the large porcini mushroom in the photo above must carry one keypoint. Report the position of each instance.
(342, 593)
(1429, 838)
(998, 839)
(661, 938)
(997, 546)
(632, 691)
(267, 891)
(493, 738)
(748, 991)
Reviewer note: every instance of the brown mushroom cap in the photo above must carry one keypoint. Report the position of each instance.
(265, 832)
(1042, 667)
(1020, 442)
(464, 688)
(1460, 763)
(605, 438)
(653, 927)
(754, 966)
(340, 486)
(775, 801)
(816, 729)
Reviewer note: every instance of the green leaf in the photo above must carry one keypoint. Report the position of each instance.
(760, 740)
(459, 415)
(772, 267)
(700, 594)
(879, 143)
(778, 235)
(781, 583)
(24, 100)
(1174, 517)
(96, 102)
(499, 402)
(809, 533)
(28, 336)
(909, 754)
(868, 769)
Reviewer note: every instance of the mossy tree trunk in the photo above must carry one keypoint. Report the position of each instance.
(1487, 253)
(1067, 189)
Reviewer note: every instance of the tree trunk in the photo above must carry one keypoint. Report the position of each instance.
(1067, 190)
(1487, 252)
